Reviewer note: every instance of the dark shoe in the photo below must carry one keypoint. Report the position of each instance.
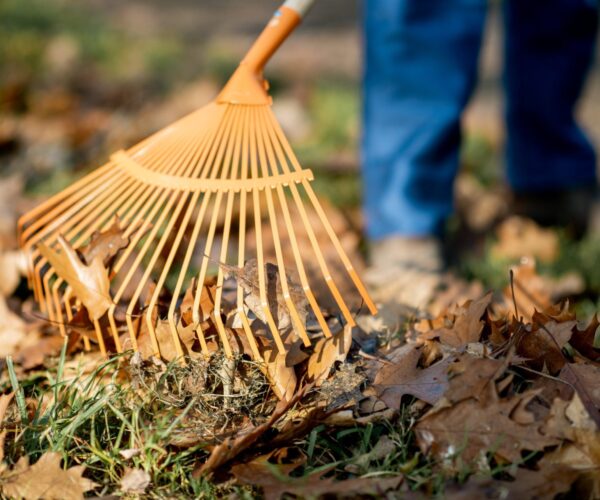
(572, 209)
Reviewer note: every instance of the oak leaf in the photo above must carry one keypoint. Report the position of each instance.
(583, 340)
(470, 429)
(546, 483)
(467, 324)
(402, 376)
(276, 482)
(89, 282)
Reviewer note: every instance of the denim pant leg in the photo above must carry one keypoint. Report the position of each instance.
(549, 47)
(420, 69)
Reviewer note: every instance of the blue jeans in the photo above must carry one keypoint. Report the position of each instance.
(420, 70)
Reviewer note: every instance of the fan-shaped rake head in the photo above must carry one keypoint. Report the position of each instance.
(185, 199)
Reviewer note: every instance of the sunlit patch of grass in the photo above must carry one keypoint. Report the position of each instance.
(91, 418)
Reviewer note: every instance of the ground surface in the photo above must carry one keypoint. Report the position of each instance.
(471, 394)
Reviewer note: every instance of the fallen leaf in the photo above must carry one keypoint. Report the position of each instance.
(13, 265)
(35, 354)
(104, 245)
(89, 282)
(282, 377)
(248, 279)
(467, 324)
(546, 483)
(135, 481)
(275, 482)
(583, 340)
(542, 346)
(326, 353)
(520, 237)
(469, 377)
(207, 300)
(13, 330)
(402, 376)
(164, 337)
(585, 379)
(5, 400)
(471, 428)
(45, 479)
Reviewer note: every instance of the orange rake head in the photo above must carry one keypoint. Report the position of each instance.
(134, 240)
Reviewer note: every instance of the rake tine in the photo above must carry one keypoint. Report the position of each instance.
(161, 191)
(275, 230)
(292, 235)
(242, 239)
(259, 247)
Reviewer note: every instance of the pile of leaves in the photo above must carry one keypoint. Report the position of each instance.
(498, 396)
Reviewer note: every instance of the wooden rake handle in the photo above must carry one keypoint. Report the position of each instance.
(283, 22)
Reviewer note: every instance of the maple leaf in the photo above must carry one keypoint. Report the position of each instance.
(402, 376)
(89, 282)
(45, 479)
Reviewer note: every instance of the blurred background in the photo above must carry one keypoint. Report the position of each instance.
(80, 79)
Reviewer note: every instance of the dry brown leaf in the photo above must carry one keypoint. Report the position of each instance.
(542, 346)
(13, 330)
(45, 479)
(326, 352)
(534, 292)
(13, 265)
(207, 301)
(104, 245)
(5, 400)
(585, 379)
(282, 377)
(472, 428)
(520, 237)
(402, 376)
(164, 337)
(248, 280)
(276, 482)
(469, 377)
(135, 481)
(583, 340)
(89, 282)
(546, 483)
(467, 324)
(34, 355)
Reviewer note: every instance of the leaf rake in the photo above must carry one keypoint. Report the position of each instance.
(179, 194)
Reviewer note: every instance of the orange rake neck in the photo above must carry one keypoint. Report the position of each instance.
(247, 85)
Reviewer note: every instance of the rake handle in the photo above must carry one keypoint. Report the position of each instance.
(283, 22)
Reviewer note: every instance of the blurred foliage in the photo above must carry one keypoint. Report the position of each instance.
(44, 40)
(333, 108)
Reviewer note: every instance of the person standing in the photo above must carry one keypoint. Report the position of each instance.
(421, 59)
